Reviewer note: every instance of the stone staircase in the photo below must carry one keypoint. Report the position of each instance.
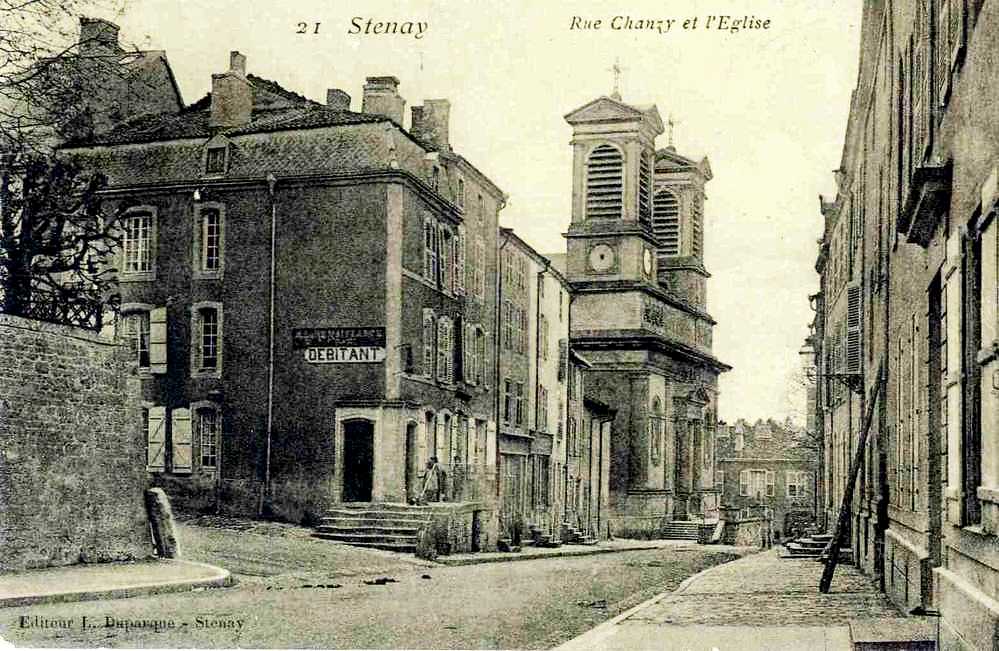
(681, 530)
(394, 527)
(573, 536)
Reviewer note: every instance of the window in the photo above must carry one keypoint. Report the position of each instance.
(208, 240)
(215, 159)
(479, 360)
(756, 483)
(429, 331)
(520, 403)
(429, 249)
(604, 182)
(206, 343)
(508, 405)
(720, 479)
(445, 253)
(571, 440)
(542, 409)
(645, 189)
(207, 424)
(445, 350)
(666, 223)
(797, 483)
(459, 260)
(435, 178)
(137, 242)
(461, 193)
(544, 337)
(135, 332)
(696, 227)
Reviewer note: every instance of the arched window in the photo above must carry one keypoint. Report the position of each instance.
(604, 182)
(666, 223)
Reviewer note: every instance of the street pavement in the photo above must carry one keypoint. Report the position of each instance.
(758, 602)
(296, 591)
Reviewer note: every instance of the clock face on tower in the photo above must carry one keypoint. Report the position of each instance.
(601, 257)
(647, 262)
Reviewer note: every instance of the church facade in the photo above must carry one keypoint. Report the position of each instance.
(634, 260)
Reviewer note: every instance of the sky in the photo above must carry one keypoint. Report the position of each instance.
(768, 107)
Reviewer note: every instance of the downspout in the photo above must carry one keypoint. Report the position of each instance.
(537, 353)
(271, 182)
(497, 346)
(579, 389)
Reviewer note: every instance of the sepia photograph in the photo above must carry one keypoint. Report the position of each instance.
(444, 324)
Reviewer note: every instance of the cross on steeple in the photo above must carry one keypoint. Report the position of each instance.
(617, 70)
(671, 125)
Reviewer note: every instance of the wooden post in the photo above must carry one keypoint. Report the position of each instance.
(844, 510)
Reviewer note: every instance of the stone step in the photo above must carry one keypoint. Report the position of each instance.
(402, 547)
(352, 537)
(384, 530)
(375, 515)
(371, 522)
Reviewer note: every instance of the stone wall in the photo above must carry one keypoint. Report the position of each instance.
(72, 466)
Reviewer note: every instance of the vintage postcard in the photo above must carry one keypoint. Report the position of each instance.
(519, 325)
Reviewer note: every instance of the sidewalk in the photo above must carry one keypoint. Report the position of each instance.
(757, 602)
(107, 581)
(531, 553)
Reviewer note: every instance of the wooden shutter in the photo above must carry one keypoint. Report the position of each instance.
(459, 261)
(744, 483)
(180, 431)
(428, 343)
(156, 439)
(158, 340)
(771, 478)
(854, 322)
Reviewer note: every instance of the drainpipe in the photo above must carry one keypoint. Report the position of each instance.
(271, 182)
(497, 347)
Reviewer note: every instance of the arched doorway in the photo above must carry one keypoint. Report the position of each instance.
(358, 460)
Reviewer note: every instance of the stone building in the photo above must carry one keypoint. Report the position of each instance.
(909, 284)
(536, 424)
(634, 260)
(310, 295)
(772, 465)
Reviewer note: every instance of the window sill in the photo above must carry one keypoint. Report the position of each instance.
(144, 277)
(207, 374)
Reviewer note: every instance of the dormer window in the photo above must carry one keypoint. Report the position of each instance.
(604, 182)
(216, 158)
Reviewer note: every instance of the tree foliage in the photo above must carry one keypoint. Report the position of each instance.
(57, 240)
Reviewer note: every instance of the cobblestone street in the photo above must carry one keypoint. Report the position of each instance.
(758, 602)
(297, 591)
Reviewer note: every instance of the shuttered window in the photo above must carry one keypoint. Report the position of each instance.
(645, 189)
(208, 436)
(429, 249)
(854, 324)
(666, 223)
(156, 439)
(158, 340)
(135, 333)
(428, 343)
(604, 182)
(180, 433)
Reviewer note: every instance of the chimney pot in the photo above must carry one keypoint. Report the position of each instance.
(337, 99)
(381, 97)
(237, 63)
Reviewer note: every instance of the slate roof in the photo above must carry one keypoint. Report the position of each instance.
(296, 112)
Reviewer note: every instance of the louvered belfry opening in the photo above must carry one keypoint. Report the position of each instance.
(645, 190)
(696, 228)
(604, 183)
(666, 223)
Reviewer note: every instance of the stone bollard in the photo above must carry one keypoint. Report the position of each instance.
(161, 522)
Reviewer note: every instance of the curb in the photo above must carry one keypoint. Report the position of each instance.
(533, 557)
(592, 638)
(221, 578)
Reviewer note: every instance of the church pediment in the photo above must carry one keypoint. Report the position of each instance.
(608, 109)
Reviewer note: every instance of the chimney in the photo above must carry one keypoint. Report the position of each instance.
(381, 97)
(98, 37)
(232, 95)
(430, 123)
(337, 99)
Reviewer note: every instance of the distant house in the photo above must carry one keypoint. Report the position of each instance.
(768, 464)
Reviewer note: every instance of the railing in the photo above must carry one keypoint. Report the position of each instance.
(66, 309)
